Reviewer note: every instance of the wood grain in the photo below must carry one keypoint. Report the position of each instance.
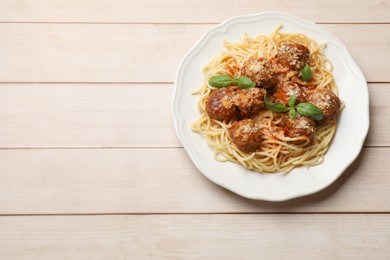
(141, 52)
(196, 237)
(47, 115)
(112, 115)
(172, 11)
(51, 181)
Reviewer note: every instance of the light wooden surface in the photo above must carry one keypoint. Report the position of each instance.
(91, 168)
(275, 236)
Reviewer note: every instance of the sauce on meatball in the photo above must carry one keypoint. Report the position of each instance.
(327, 101)
(220, 104)
(246, 135)
(259, 70)
(293, 55)
(286, 90)
(300, 127)
(249, 101)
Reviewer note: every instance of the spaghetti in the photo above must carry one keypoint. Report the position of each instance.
(277, 152)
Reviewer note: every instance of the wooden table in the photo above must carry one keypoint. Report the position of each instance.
(90, 165)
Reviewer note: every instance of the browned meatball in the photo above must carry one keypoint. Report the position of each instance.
(293, 55)
(220, 104)
(284, 92)
(259, 70)
(249, 101)
(327, 101)
(246, 135)
(300, 127)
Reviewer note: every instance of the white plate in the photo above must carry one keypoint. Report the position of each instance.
(352, 125)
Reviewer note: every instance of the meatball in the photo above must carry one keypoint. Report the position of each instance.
(293, 55)
(259, 70)
(300, 127)
(284, 91)
(327, 101)
(246, 135)
(220, 104)
(249, 101)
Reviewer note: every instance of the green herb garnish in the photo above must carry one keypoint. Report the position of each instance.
(310, 110)
(304, 109)
(274, 106)
(221, 81)
(306, 73)
(293, 113)
(292, 100)
(244, 82)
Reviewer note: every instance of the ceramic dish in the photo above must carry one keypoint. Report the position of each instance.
(352, 128)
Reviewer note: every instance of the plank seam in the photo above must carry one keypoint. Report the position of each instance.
(168, 23)
(197, 213)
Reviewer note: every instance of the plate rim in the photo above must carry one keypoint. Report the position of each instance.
(268, 196)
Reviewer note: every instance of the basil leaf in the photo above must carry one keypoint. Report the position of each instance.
(244, 82)
(310, 110)
(220, 81)
(293, 113)
(292, 100)
(306, 73)
(274, 106)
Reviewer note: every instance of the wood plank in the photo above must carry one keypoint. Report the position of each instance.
(41, 181)
(46, 115)
(196, 237)
(378, 134)
(141, 52)
(109, 115)
(183, 11)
